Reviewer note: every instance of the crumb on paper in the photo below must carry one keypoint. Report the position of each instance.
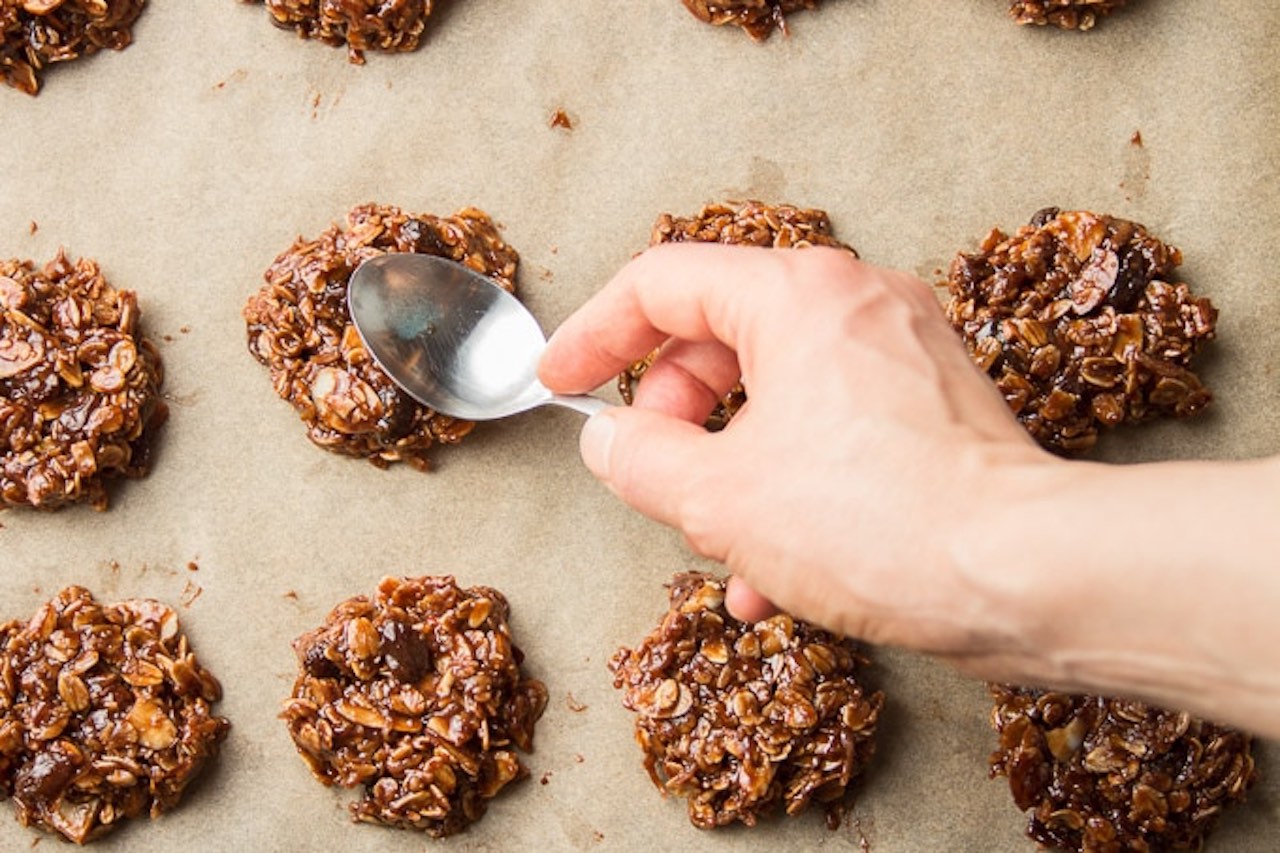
(578, 757)
(561, 119)
(235, 77)
(291, 595)
(186, 330)
(193, 566)
(598, 836)
(32, 229)
(573, 704)
(546, 777)
(864, 843)
(1136, 139)
(190, 593)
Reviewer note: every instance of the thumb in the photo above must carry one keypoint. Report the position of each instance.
(646, 458)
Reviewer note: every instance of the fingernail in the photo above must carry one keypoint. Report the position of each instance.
(595, 444)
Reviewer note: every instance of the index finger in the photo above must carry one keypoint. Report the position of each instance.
(691, 291)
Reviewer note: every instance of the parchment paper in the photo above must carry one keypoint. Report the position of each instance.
(187, 162)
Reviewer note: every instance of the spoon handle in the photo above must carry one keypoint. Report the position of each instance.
(584, 403)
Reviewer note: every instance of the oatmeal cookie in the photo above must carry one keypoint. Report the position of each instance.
(742, 718)
(104, 714)
(1111, 775)
(758, 17)
(300, 328)
(417, 695)
(393, 26)
(1067, 14)
(1078, 319)
(79, 385)
(750, 224)
(37, 33)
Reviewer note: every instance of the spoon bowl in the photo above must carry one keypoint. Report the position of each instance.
(452, 339)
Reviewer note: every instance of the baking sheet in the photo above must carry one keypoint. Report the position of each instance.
(187, 162)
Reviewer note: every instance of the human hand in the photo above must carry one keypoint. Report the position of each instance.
(867, 457)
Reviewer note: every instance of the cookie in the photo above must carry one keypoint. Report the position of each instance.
(392, 26)
(105, 714)
(1066, 14)
(415, 694)
(79, 385)
(1111, 775)
(743, 719)
(299, 327)
(1082, 324)
(37, 33)
(759, 18)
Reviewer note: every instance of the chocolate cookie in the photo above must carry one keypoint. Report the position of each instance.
(104, 714)
(1080, 322)
(1111, 775)
(417, 695)
(1067, 14)
(79, 385)
(37, 33)
(386, 25)
(739, 718)
(758, 17)
(300, 328)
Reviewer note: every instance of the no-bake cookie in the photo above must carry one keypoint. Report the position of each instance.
(758, 17)
(741, 719)
(417, 695)
(300, 328)
(79, 384)
(105, 714)
(386, 25)
(1082, 324)
(1067, 14)
(1111, 775)
(35, 34)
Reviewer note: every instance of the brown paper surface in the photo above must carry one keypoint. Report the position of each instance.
(187, 162)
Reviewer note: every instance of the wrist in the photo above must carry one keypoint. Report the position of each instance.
(1152, 581)
(1008, 553)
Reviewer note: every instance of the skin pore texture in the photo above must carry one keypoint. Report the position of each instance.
(876, 483)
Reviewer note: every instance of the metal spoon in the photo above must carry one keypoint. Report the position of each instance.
(452, 339)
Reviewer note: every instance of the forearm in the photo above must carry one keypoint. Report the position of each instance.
(1160, 581)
